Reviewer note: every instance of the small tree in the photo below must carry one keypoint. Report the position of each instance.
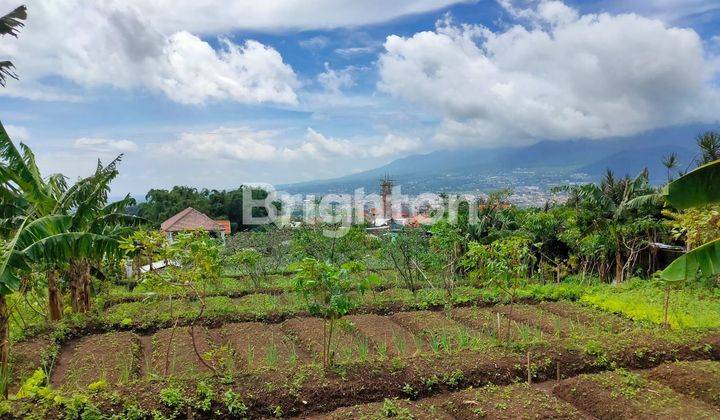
(326, 289)
(446, 245)
(504, 263)
(198, 266)
(144, 246)
(251, 263)
(407, 250)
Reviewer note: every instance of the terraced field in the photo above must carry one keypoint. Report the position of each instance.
(460, 363)
(621, 394)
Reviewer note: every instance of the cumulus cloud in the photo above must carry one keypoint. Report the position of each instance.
(192, 72)
(335, 80)
(557, 75)
(242, 143)
(102, 145)
(120, 45)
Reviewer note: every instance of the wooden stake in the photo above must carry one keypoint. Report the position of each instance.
(498, 324)
(528, 368)
(557, 367)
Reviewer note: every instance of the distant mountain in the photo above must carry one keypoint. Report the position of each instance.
(543, 164)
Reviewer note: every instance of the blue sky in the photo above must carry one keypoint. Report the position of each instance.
(204, 94)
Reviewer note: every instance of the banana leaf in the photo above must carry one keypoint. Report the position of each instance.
(698, 188)
(705, 260)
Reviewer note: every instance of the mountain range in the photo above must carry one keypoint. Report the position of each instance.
(538, 166)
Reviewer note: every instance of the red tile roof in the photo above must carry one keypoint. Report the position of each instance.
(225, 225)
(189, 219)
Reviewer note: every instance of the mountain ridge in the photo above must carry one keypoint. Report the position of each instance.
(542, 164)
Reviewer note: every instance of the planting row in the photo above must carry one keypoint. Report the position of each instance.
(405, 354)
(677, 390)
(152, 312)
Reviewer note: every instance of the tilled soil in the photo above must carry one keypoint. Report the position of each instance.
(626, 395)
(25, 358)
(547, 322)
(256, 345)
(699, 379)
(495, 323)
(609, 395)
(464, 351)
(173, 352)
(390, 408)
(388, 337)
(112, 357)
(587, 316)
(346, 344)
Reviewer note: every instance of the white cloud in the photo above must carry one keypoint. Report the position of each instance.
(245, 144)
(102, 145)
(192, 72)
(17, 132)
(353, 51)
(562, 76)
(335, 80)
(667, 10)
(121, 45)
(315, 43)
(216, 16)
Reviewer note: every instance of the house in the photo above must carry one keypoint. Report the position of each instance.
(189, 220)
(225, 225)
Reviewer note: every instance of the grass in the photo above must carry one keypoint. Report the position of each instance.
(641, 301)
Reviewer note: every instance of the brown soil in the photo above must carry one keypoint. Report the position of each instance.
(587, 316)
(388, 337)
(347, 344)
(699, 379)
(112, 357)
(444, 334)
(146, 354)
(547, 322)
(618, 395)
(256, 345)
(25, 358)
(507, 402)
(486, 320)
(390, 408)
(183, 361)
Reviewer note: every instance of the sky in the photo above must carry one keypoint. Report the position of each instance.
(215, 94)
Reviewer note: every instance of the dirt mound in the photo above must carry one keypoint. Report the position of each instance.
(173, 353)
(625, 395)
(387, 337)
(112, 357)
(255, 345)
(25, 358)
(699, 379)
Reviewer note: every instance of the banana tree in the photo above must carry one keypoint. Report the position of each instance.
(25, 193)
(31, 241)
(90, 213)
(698, 188)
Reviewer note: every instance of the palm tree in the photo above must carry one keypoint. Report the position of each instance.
(614, 204)
(709, 143)
(670, 162)
(9, 25)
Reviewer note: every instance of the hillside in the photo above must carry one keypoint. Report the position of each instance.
(543, 164)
